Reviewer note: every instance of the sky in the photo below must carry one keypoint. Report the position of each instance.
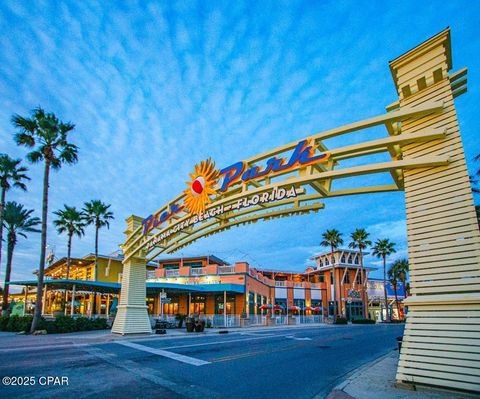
(155, 87)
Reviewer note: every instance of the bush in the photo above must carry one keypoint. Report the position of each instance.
(3, 323)
(61, 324)
(99, 324)
(363, 321)
(83, 324)
(341, 320)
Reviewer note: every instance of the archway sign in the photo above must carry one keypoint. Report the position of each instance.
(441, 345)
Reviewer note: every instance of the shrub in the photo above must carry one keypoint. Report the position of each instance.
(363, 321)
(3, 323)
(341, 320)
(99, 324)
(83, 324)
(61, 324)
(65, 324)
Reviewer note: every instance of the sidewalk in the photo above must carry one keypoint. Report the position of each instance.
(376, 380)
(10, 342)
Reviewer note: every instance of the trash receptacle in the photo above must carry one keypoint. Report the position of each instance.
(399, 342)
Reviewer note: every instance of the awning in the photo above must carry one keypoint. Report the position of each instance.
(114, 288)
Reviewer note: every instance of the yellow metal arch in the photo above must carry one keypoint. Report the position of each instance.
(177, 232)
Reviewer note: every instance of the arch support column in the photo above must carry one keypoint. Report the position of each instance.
(441, 343)
(132, 315)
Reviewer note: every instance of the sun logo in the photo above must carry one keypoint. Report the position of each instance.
(197, 195)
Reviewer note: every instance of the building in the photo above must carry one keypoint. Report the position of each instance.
(376, 300)
(206, 285)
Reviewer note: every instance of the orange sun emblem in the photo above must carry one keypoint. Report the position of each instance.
(197, 195)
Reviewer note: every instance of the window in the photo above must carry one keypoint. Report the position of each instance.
(251, 303)
(219, 304)
(343, 259)
(321, 278)
(197, 304)
(356, 260)
(346, 280)
(350, 259)
(171, 266)
(359, 278)
(193, 264)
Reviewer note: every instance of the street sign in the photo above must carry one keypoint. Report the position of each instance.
(163, 295)
(166, 300)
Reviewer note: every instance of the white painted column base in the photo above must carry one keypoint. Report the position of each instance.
(441, 343)
(132, 319)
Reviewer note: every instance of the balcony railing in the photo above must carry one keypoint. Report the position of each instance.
(226, 269)
(298, 285)
(197, 271)
(171, 273)
(279, 283)
(150, 273)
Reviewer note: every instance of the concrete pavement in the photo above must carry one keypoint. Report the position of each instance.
(376, 380)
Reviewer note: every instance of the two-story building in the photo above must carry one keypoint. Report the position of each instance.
(207, 285)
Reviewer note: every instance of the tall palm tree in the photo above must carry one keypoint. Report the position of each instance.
(360, 241)
(393, 277)
(11, 174)
(49, 136)
(382, 249)
(96, 213)
(18, 222)
(69, 221)
(333, 239)
(401, 265)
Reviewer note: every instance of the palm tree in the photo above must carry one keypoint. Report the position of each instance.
(96, 213)
(333, 239)
(18, 222)
(50, 136)
(11, 174)
(382, 249)
(69, 221)
(393, 276)
(360, 241)
(401, 265)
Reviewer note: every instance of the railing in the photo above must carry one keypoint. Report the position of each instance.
(298, 285)
(226, 269)
(279, 283)
(150, 273)
(315, 285)
(219, 320)
(197, 271)
(171, 273)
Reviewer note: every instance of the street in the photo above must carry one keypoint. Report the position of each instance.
(274, 363)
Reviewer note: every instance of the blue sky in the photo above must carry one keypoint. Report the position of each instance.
(154, 87)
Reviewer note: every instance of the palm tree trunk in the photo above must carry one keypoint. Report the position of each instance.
(387, 313)
(94, 309)
(8, 270)
(404, 282)
(38, 302)
(2, 207)
(362, 284)
(69, 251)
(335, 311)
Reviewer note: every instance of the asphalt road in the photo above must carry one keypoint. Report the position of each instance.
(286, 363)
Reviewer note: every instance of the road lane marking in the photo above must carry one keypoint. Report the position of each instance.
(224, 342)
(171, 355)
(297, 338)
